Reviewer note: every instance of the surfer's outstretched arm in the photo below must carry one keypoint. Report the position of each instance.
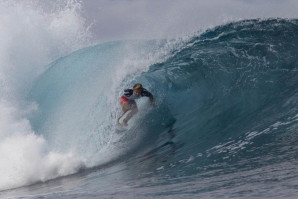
(151, 99)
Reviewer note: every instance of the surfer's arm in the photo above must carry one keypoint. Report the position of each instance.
(148, 94)
(151, 99)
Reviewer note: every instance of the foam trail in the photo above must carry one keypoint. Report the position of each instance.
(30, 39)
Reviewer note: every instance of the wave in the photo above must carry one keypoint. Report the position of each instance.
(232, 86)
(222, 96)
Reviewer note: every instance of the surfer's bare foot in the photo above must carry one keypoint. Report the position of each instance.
(124, 124)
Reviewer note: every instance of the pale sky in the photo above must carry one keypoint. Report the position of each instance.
(139, 19)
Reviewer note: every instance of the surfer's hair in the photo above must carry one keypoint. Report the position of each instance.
(137, 87)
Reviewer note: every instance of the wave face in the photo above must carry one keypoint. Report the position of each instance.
(232, 89)
(225, 122)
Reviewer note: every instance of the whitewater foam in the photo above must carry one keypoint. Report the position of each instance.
(26, 159)
(30, 39)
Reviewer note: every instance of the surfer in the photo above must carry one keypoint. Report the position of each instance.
(127, 101)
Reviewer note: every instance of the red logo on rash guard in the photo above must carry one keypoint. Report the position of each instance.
(123, 100)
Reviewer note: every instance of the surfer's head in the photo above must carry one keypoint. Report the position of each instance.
(137, 89)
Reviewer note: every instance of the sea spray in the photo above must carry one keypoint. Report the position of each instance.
(31, 38)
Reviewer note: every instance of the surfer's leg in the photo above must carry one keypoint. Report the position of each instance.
(130, 114)
(125, 107)
(134, 110)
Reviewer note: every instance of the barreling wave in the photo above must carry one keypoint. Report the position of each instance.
(225, 95)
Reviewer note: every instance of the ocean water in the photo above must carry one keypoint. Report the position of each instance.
(224, 125)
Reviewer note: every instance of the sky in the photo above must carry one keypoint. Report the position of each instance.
(139, 19)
